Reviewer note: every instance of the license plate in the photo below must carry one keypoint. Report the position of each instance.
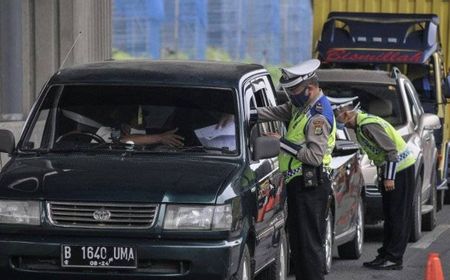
(98, 256)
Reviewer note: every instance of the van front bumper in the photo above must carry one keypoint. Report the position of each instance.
(40, 258)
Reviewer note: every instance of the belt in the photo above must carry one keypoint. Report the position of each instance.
(299, 171)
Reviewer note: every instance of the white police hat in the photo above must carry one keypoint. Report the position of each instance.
(338, 103)
(295, 75)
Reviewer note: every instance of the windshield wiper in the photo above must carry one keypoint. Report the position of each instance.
(223, 150)
(111, 146)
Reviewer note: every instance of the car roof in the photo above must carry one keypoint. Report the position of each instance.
(355, 76)
(163, 72)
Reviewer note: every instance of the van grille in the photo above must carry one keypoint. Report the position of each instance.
(101, 215)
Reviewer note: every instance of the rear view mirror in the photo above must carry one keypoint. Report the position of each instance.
(446, 87)
(429, 121)
(7, 141)
(265, 147)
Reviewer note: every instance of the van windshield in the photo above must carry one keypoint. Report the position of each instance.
(134, 118)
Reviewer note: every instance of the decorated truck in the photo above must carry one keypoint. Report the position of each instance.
(410, 42)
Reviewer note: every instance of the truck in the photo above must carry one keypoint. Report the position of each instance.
(410, 42)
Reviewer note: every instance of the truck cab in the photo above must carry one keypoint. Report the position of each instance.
(410, 42)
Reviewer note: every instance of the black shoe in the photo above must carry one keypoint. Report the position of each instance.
(377, 261)
(388, 265)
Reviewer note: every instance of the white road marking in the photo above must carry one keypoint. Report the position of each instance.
(430, 237)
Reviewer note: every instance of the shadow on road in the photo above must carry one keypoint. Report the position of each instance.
(373, 233)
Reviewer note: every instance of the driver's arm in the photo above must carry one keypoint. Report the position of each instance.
(168, 138)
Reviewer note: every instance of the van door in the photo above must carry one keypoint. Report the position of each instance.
(270, 184)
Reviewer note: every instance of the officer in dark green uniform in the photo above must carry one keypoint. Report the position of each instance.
(395, 161)
(304, 159)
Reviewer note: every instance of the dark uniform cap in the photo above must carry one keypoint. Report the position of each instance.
(295, 75)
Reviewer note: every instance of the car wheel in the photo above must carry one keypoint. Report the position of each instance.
(429, 219)
(329, 243)
(279, 269)
(245, 268)
(416, 225)
(353, 248)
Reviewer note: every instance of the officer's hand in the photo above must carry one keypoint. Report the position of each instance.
(169, 138)
(389, 185)
(273, 134)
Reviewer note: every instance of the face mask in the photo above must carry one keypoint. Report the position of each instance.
(299, 100)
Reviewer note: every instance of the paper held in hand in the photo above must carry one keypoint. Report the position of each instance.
(211, 136)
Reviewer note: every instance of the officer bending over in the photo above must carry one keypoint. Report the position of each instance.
(304, 158)
(395, 161)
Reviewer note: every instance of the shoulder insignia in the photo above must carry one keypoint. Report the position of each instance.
(318, 122)
(319, 107)
(318, 130)
(318, 126)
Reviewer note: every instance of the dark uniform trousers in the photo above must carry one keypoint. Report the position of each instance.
(307, 210)
(397, 211)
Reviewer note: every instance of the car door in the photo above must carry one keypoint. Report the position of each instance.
(270, 184)
(346, 183)
(428, 145)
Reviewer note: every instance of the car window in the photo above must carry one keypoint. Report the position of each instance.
(413, 107)
(415, 96)
(259, 94)
(40, 132)
(261, 99)
(69, 118)
(381, 100)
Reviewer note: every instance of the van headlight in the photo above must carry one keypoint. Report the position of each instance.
(20, 212)
(198, 217)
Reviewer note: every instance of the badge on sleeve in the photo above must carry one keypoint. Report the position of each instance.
(319, 107)
(318, 126)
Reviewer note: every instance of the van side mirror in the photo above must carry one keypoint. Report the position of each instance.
(429, 122)
(265, 147)
(7, 141)
(446, 87)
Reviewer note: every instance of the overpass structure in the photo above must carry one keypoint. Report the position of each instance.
(36, 37)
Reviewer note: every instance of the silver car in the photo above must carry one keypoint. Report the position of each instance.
(392, 96)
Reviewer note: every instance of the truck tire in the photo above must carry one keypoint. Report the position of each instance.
(440, 200)
(353, 248)
(416, 225)
(445, 194)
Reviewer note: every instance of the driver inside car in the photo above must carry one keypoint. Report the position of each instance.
(128, 125)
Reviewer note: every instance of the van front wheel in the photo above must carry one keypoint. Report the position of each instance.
(245, 268)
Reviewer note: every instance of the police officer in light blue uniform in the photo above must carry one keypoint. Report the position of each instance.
(304, 159)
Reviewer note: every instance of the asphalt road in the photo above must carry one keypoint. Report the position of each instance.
(414, 261)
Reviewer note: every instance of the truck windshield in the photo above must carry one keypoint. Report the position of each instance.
(134, 118)
(381, 100)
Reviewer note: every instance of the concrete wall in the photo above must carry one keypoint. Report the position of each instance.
(35, 38)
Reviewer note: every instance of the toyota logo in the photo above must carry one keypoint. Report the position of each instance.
(101, 215)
